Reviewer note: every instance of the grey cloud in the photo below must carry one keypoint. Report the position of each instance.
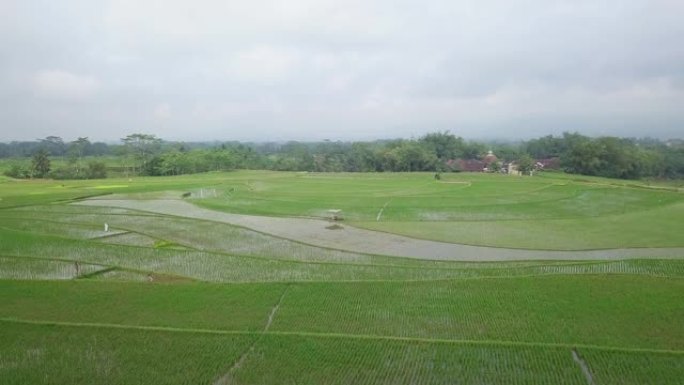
(314, 69)
(58, 84)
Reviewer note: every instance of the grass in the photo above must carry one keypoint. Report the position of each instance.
(331, 340)
(223, 267)
(22, 193)
(47, 354)
(235, 307)
(552, 211)
(478, 209)
(306, 360)
(610, 311)
(64, 355)
(521, 330)
(291, 360)
(36, 269)
(657, 227)
(105, 355)
(168, 300)
(624, 312)
(629, 368)
(410, 196)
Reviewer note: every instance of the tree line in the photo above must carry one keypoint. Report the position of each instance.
(145, 154)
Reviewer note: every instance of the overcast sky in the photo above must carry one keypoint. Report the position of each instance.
(321, 69)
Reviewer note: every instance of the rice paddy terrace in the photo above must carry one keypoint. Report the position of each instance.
(239, 278)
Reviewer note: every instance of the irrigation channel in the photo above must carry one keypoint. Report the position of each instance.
(314, 232)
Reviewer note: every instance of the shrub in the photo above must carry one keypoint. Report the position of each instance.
(96, 170)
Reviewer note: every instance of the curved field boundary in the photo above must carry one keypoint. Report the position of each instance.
(343, 335)
(313, 232)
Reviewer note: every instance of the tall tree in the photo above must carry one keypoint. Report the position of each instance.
(96, 170)
(40, 165)
(77, 149)
(412, 156)
(54, 145)
(142, 147)
(525, 164)
(582, 155)
(444, 145)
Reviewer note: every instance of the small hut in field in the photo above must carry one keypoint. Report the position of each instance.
(335, 215)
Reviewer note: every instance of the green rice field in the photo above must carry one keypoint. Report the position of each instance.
(161, 298)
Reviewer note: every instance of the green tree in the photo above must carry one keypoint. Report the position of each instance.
(474, 150)
(40, 165)
(76, 151)
(361, 158)
(143, 148)
(444, 145)
(546, 147)
(525, 164)
(412, 156)
(582, 155)
(389, 160)
(620, 158)
(299, 155)
(54, 145)
(18, 171)
(96, 170)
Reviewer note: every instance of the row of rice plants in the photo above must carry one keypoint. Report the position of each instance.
(206, 235)
(655, 267)
(69, 209)
(36, 269)
(37, 354)
(632, 368)
(652, 267)
(225, 268)
(416, 198)
(31, 350)
(189, 305)
(65, 229)
(361, 198)
(315, 360)
(565, 310)
(213, 236)
(622, 311)
(203, 265)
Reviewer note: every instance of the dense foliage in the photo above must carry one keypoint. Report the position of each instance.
(145, 154)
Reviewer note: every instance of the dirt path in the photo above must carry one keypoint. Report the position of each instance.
(314, 232)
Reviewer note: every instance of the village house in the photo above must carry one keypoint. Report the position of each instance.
(548, 164)
(473, 165)
(485, 164)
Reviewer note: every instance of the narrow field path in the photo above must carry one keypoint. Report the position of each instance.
(583, 365)
(275, 310)
(314, 232)
(227, 378)
(377, 218)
